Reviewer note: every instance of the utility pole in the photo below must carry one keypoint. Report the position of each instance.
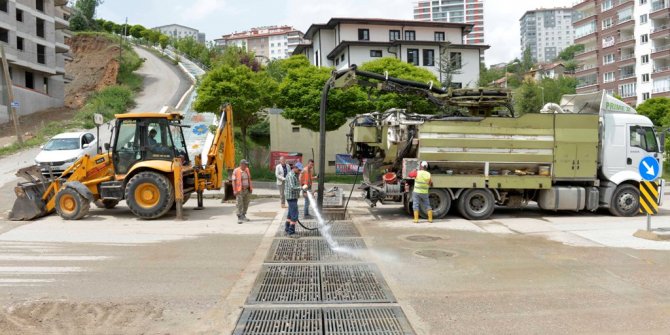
(10, 95)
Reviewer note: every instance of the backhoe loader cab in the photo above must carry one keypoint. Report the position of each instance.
(141, 137)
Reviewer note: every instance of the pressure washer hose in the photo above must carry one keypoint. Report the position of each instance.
(346, 206)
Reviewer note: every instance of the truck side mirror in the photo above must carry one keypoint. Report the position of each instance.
(106, 146)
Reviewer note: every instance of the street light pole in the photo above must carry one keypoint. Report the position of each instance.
(542, 88)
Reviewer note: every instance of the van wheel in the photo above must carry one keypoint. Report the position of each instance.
(476, 204)
(149, 195)
(70, 205)
(625, 201)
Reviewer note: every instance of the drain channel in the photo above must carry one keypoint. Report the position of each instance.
(328, 321)
(354, 283)
(337, 229)
(287, 284)
(313, 250)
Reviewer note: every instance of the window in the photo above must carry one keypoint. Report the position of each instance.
(4, 35)
(439, 36)
(456, 60)
(88, 137)
(46, 87)
(30, 83)
(645, 96)
(644, 39)
(413, 56)
(331, 163)
(19, 15)
(645, 77)
(644, 18)
(39, 27)
(394, 35)
(39, 5)
(19, 43)
(607, 23)
(337, 61)
(607, 59)
(456, 85)
(608, 77)
(375, 53)
(342, 58)
(607, 5)
(642, 2)
(3, 6)
(627, 90)
(428, 57)
(363, 34)
(643, 138)
(645, 59)
(295, 129)
(41, 54)
(410, 35)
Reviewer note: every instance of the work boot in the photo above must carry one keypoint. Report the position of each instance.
(239, 219)
(244, 217)
(430, 216)
(416, 216)
(286, 224)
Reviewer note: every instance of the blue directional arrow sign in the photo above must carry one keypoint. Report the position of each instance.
(649, 168)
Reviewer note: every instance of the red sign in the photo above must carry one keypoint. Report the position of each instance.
(291, 157)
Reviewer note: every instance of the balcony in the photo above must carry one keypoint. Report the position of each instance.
(585, 51)
(660, 71)
(626, 75)
(586, 69)
(583, 4)
(660, 52)
(60, 3)
(660, 32)
(660, 9)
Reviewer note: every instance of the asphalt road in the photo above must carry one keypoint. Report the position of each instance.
(164, 84)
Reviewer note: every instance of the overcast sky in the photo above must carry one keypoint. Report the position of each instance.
(218, 17)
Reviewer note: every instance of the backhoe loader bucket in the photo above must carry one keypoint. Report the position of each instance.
(228, 193)
(29, 204)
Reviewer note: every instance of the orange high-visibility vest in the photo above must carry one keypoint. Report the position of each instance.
(237, 179)
(306, 177)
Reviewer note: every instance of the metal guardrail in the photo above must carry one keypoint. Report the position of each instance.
(661, 48)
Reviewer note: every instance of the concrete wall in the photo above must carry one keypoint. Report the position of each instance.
(287, 137)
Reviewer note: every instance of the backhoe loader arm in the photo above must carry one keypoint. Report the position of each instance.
(221, 154)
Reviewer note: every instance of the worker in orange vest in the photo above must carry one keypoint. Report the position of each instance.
(242, 189)
(306, 179)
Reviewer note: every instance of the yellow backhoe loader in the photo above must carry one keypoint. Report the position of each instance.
(147, 165)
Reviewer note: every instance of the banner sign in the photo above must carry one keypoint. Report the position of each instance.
(346, 165)
(291, 157)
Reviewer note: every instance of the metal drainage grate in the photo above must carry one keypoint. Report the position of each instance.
(354, 283)
(337, 228)
(303, 321)
(328, 321)
(366, 321)
(287, 284)
(314, 250)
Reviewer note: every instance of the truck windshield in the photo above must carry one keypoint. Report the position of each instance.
(643, 138)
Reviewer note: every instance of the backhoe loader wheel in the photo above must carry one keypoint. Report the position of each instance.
(106, 203)
(70, 205)
(149, 195)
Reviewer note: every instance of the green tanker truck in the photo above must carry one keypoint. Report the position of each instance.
(581, 155)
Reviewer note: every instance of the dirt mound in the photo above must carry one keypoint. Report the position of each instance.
(94, 67)
(60, 317)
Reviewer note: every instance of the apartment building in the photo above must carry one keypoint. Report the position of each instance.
(546, 32)
(33, 34)
(179, 31)
(272, 42)
(455, 11)
(345, 41)
(626, 47)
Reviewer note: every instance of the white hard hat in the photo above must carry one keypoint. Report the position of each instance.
(424, 164)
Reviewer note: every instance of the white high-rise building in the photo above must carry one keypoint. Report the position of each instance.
(455, 11)
(546, 32)
(626, 48)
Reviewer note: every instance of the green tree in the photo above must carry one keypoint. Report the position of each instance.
(109, 26)
(554, 89)
(527, 61)
(528, 98)
(488, 75)
(83, 15)
(568, 53)
(163, 40)
(302, 84)
(449, 64)
(136, 31)
(249, 92)
(657, 110)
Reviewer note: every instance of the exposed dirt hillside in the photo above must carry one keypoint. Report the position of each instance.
(94, 67)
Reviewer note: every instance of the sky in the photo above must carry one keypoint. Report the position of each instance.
(218, 17)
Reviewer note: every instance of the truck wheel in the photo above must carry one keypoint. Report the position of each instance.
(149, 195)
(407, 203)
(625, 201)
(440, 201)
(70, 205)
(476, 204)
(106, 203)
